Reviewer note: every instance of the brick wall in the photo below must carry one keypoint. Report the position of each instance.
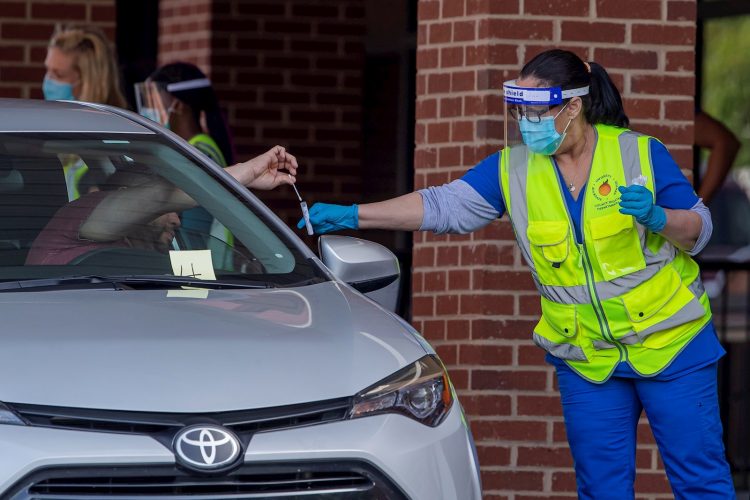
(25, 30)
(287, 72)
(185, 32)
(472, 295)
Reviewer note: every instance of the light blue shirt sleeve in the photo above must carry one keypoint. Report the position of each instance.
(466, 204)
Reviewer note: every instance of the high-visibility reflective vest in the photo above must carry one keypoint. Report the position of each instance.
(74, 169)
(624, 293)
(221, 240)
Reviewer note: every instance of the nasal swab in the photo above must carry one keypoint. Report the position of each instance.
(305, 212)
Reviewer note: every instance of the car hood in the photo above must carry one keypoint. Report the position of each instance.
(179, 351)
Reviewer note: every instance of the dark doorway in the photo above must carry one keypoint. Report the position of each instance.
(137, 41)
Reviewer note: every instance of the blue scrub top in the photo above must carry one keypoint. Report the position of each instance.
(672, 191)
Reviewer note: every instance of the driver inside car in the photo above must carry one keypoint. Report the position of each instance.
(139, 210)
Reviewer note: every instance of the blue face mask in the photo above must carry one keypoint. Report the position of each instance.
(57, 91)
(542, 138)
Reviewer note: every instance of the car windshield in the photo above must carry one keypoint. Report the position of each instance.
(121, 205)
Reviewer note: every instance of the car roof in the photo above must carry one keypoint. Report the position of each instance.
(29, 115)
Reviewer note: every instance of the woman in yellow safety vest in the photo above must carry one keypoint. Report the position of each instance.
(180, 97)
(607, 224)
(81, 66)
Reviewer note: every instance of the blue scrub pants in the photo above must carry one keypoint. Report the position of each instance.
(601, 421)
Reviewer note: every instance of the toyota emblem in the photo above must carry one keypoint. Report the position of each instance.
(206, 447)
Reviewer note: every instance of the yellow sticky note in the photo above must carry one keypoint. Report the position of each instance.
(192, 263)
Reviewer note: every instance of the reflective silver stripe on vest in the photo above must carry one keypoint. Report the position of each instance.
(562, 351)
(697, 287)
(603, 344)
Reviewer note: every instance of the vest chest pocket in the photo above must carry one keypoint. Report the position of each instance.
(550, 249)
(660, 308)
(616, 245)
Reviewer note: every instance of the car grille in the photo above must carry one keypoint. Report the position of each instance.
(304, 480)
(243, 422)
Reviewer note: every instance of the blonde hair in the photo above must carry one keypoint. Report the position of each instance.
(95, 62)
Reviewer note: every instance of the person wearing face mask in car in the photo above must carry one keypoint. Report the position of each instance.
(608, 226)
(81, 66)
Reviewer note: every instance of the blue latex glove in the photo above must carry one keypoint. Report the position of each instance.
(325, 218)
(638, 201)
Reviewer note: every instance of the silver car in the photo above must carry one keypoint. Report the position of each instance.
(216, 358)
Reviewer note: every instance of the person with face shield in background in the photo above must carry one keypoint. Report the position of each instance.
(608, 226)
(181, 98)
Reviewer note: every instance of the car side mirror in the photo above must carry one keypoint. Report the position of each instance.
(368, 267)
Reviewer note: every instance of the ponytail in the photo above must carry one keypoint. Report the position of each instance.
(604, 101)
(95, 62)
(564, 69)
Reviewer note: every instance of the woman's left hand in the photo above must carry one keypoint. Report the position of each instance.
(638, 201)
(267, 171)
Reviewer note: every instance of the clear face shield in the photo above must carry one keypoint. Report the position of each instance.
(530, 114)
(153, 101)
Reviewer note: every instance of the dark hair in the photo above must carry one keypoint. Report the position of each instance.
(564, 69)
(199, 99)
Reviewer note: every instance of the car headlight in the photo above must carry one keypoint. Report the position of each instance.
(9, 417)
(421, 391)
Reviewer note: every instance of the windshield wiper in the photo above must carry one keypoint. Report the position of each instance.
(130, 282)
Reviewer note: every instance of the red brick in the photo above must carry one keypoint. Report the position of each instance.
(558, 433)
(487, 254)
(13, 9)
(529, 305)
(462, 131)
(486, 405)
(440, 32)
(581, 31)
(12, 53)
(544, 456)
(26, 31)
(425, 158)
(103, 13)
(453, 8)
(435, 281)
(439, 83)
(652, 483)
(423, 256)
(449, 156)
(515, 480)
(524, 29)
(58, 11)
(681, 61)
(438, 132)
(475, 7)
(678, 10)
(539, 406)
(493, 455)
(563, 481)
(426, 109)
(446, 305)
(508, 380)
(502, 280)
(427, 58)
(428, 10)
(513, 430)
(629, 59)
(21, 73)
(459, 378)
(642, 108)
(315, 11)
(632, 9)
(10, 92)
(463, 81)
(679, 110)
(530, 355)
(663, 85)
(487, 304)
(434, 330)
(447, 353)
(457, 329)
(489, 329)
(451, 57)
(644, 459)
(558, 8)
(449, 107)
(670, 134)
(485, 355)
(661, 34)
(464, 31)
(423, 306)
